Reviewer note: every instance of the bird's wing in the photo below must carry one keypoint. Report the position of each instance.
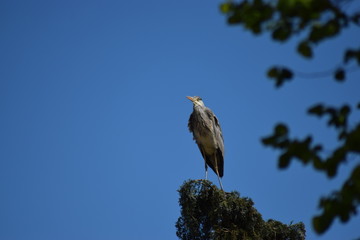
(216, 126)
(219, 140)
(218, 129)
(190, 123)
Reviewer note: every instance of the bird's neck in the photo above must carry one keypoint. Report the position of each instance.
(199, 105)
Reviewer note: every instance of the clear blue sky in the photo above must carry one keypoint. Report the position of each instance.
(93, 129)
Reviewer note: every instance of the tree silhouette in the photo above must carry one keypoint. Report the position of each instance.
(317, 20)
(208, 213)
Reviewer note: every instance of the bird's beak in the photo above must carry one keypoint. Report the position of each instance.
(190, 98)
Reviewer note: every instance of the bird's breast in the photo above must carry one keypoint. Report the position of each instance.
(206, 141)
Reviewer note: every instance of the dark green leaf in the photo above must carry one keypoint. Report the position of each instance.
(286, 73)
(280, 75)
(318, 164)
(235, 19)
(269, 140)
(284, 160)
(342, 135)
(304, 49)
(321, 223)
(281, 130)
(345, 110)
(356, 18)
(273, 73)
(353, 140)
(322, 31)
(317, 110)
(282, 32)
(339, 75)
(352, 54)
(226, 7)
(318, 148)
(349, 54)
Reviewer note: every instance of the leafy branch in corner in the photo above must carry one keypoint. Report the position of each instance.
(320, 19)
(341, 203)
(317, 21)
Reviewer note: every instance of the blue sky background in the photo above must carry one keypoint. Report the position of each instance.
(94, 139)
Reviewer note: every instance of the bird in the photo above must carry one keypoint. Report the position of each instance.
(207, 133)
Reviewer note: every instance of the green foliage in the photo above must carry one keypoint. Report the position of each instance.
(352, 54)
(341, 203)
(339, 75)
(251, 15)
(208, 213)
(317, 21)
(280, 75)
(304, 49)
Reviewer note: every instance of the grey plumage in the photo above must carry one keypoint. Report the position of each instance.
(208, 135)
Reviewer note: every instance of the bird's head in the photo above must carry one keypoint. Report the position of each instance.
(197, 101)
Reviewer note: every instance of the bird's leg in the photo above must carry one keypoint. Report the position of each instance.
(221, 186)
(217, 174)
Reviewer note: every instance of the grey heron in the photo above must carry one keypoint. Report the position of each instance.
(208, 136)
